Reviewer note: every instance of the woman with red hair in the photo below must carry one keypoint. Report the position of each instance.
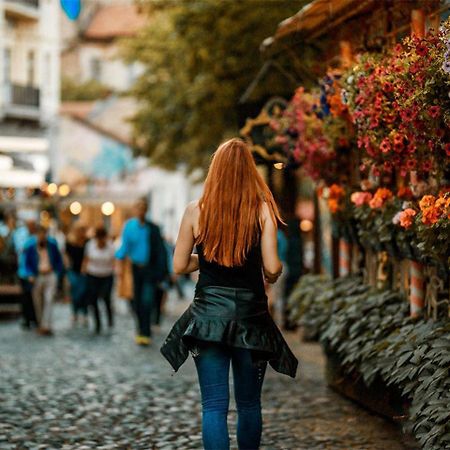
(234, 228)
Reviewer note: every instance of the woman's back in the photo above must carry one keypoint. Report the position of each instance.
(248, 275)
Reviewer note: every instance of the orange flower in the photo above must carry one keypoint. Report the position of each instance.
(440, 205)
(430, 216)
(426, 202)
(336, 191)
(380, 198)
(407, 217)
(333, 204)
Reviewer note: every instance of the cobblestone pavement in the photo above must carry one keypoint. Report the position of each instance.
(79, 391)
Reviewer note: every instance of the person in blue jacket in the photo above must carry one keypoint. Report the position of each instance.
(43, 265)
(142, 243)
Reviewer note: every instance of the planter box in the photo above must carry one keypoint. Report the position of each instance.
(378, 397)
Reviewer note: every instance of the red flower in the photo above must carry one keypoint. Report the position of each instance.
(385, 145)
(388, 86)
(427, 166)
(447, 149)
(434, 111)
(404, 192)
(411, 148)
(411, 164)
(421, 49)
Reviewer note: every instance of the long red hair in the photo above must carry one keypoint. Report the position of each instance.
(230, 208)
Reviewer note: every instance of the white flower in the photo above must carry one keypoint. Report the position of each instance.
(396, 218)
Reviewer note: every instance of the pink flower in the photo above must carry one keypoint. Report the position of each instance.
(361, 198)
(281, 140)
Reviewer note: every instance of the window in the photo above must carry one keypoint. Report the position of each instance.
(48, 70)
(7, 66)
(96, 69)
(30, 68)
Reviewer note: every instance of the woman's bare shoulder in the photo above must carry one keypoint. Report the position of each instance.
(193, 207)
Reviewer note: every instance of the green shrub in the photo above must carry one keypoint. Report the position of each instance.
(372, 333)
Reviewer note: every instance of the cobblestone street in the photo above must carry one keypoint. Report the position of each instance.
(78, 391)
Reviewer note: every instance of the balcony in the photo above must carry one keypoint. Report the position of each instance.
(21, 102)
(22, 9)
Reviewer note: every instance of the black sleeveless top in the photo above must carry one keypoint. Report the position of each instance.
(230, 307)
(248, 276)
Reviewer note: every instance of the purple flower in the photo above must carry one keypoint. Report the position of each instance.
(446, 66)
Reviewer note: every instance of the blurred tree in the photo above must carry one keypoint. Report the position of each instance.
(71, 90)
(200, 56)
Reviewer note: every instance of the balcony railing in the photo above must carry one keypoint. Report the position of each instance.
(32, 3)
(23, 95)
(22, 102)
(22, 9)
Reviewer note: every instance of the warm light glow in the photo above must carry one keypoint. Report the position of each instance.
(75, 208)
(108, 208)
(64, 190)
(278, 165)
(52, 188)
(306, 225)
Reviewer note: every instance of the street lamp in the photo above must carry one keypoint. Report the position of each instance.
(52, 188)
(64, 190)
(75, 208)
(108, 208)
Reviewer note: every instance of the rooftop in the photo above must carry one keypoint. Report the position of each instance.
(115, 21)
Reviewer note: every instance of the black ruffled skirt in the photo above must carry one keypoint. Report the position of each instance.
(235, 317)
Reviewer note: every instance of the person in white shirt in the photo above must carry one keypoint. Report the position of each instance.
(98, 264)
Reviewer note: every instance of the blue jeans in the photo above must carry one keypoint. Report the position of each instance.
(143, 297)
(78, 292)
(213, 366)
(100, 287)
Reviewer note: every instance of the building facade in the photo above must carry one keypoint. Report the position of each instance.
(29, 94)
(90, 45)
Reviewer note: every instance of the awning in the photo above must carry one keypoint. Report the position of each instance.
(17, 178)
(10, 144)
(319, 17)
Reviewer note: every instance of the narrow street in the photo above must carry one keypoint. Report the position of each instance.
(78, 391)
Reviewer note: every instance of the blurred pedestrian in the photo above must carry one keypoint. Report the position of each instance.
(234, 227)
(176, 281)
(8, 257)
(276, 291)
(98, 264)
(75, 247)
(143, 245)
(43, 264)
(163, 286)
(58, 232)
(21, 236)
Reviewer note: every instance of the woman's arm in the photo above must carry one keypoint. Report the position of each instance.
(183, 259)
(269, 248)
